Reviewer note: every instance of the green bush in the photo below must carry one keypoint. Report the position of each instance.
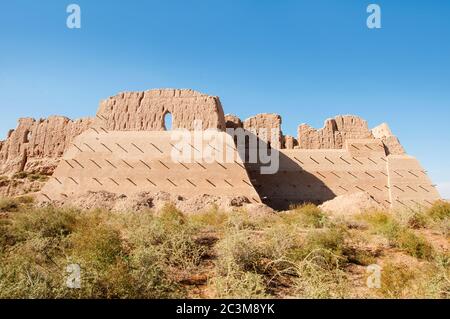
(399, 236)
(314, 281)
(417, 220)
(121, 255)
(9, 205)
(20, 175)
(240, 250)
(396, 279)
(16, 204)
(97, 245)
(38, 177)
(414, 245)
(436, 283)
(241, 285)
(212, 219)
(440, 210)
(326, 247)
(382, 223)
(308, 215)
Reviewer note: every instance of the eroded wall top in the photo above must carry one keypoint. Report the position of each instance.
(391, 142)
(334, 133)
(268, 124)
(232, 121)
(146, 111)
(39, 141)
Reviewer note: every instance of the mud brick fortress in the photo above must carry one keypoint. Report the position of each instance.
(126, 149)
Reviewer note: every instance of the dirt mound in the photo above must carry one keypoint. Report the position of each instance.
(351, 204)
(144, 201)
(90, 200)
(205, 202)
(258, 210)
(155, 201)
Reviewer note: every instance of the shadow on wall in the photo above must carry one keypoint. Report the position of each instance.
(289, 185)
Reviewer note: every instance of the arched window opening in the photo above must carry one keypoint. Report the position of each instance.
(27, 136)
(168, 121)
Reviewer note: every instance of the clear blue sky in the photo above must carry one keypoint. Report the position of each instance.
(306, 60)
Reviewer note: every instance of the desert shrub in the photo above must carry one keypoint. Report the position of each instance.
(96, 245)
(330, 248)
(436, 283)
(314, 265)
(170, 215)
(126, 255)
(241, 220)
(20, 175)
(176, 238)
(315, 281)
(439, 214)
(325, 247)
(25, 200)
(136, 276)
(239, 284)
(358, 256)
(212, 219)
(9, 205)
(25, 272)
(399, 236)
(46, 222)
(240, 250)
(415, 245)
(241, 266)
(382, 223)
(417, 220)
(151, 278)
(144, 255)
(31, 265)
(444, 228)
(15, 204)
(6, 238)
(280, 239)
(171, 233)
(37, 177)
(41, 243)
(429, 280)
(440, 210)
(396, 280)
(308, 215)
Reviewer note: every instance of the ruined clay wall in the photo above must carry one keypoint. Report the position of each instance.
(334, 133)
(126, 149)
(145, 111)
(391, 142)
(36, 145)
(133, 162)
(232, 121)
(332, 136)
(272, 125)
(129, 162)
(361, 166)
(289, 142)
(409, 183)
